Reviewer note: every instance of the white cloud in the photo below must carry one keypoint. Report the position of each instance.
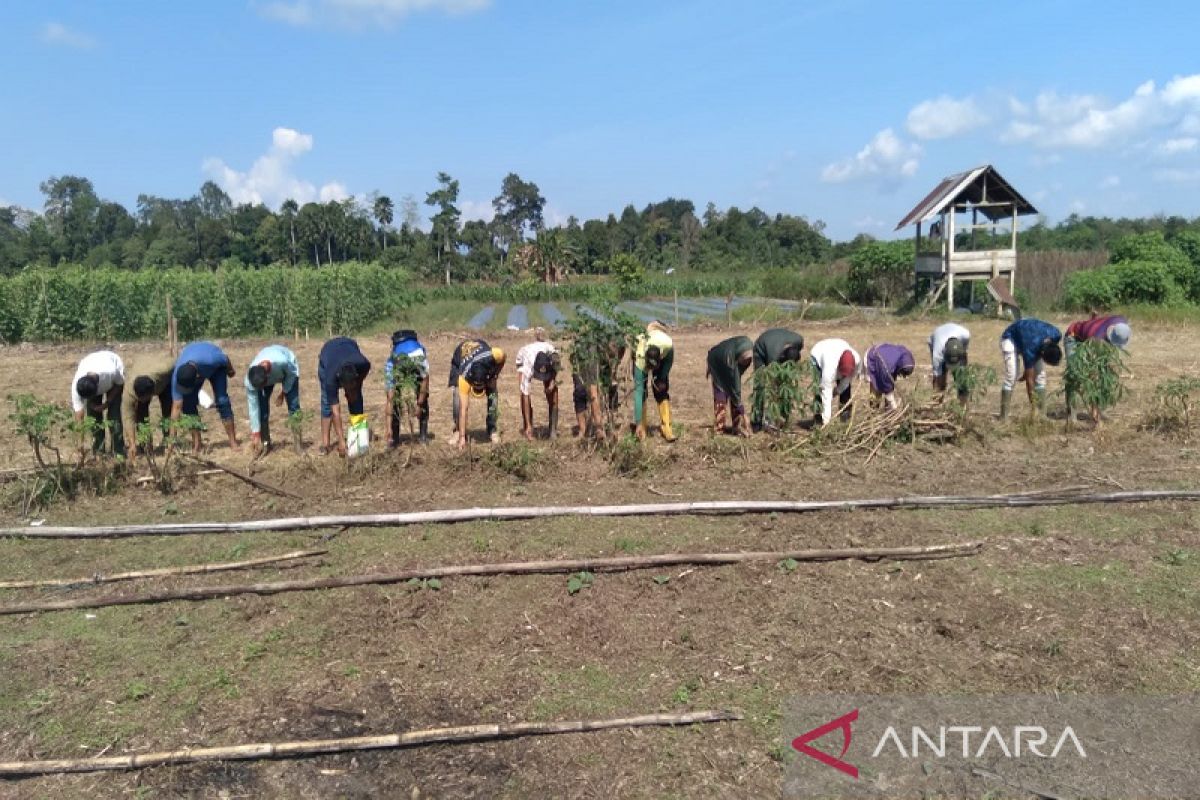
(1182, 89)
(1077, 206)
(1110, 182)
(361, 13)
(1184, 144)
(270, 179)
(886, 156)
(944, 117)
(58, 34)
(477, 209)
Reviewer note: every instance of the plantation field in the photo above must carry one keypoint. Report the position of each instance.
(1098, 599)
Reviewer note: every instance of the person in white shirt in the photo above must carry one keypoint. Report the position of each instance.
(97, 391)
(948, 349)
(835, 363)
(538, 361)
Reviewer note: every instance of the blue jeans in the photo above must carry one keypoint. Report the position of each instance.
(264, 407)
(220, 389)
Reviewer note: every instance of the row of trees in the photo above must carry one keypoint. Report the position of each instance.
(77, 226)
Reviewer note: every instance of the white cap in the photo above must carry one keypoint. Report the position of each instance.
(1119, 335)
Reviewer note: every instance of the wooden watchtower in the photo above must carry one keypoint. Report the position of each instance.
(954, 249)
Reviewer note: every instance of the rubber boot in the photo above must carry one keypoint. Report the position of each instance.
(553, 433)
(664, 415)
(1005, 400)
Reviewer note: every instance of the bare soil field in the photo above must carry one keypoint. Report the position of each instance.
(1088, 599)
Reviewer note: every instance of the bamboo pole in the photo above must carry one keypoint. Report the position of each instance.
(599, 564)
(456, 735)
(196, 569)
(395, 520)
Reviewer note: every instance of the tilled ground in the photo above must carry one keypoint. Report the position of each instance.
(1094, 598)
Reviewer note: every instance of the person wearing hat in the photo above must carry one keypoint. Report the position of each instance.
(594, 365)
(151, 379)
(538, 361)
(773, 346)
(341, 367)
(197, 363)
(948, 350)
(275, 365)
(834, 363)
(97, 390)
(1113, 329)
(407, 349)
(475, 370)
(653, 355)
(727, 362)
(884, 364)
(1036, 343)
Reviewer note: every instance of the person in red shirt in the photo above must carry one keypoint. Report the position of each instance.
(1113, 329)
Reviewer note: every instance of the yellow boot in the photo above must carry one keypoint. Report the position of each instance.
(664, 415)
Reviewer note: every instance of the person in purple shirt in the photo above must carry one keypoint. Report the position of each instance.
(197, 363)
(1037, 344)
(883, 364)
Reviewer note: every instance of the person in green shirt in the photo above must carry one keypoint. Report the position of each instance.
(152, 379)
(727, 362)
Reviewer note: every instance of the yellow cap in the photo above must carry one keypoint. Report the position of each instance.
(498, 356)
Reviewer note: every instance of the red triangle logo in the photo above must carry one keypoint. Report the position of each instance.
(842, 723)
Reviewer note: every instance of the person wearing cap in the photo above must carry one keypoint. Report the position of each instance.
(407, 350)
(197, 363)
(341, 368)
(834, 362)
(773, 346)
(1113, 329)
(475, 370)
(884, 364)
(594, 366)
(727, 362)
(1036, 343)
(653, 355)
(948, 350)
(151, 379)
(97, 391)
(538, 361)
(275, 365)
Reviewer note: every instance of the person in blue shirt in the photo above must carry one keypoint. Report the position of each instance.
(340, 367)
(275, 365)
(408, 351)
(197, 363)
(1036, 343)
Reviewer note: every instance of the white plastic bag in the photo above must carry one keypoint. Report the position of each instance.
(358, 436)
(206, 400)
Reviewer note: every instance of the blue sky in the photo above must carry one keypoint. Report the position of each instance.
(838, 110)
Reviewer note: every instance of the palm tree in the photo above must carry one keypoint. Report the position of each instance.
(383, 212)
(289, 209)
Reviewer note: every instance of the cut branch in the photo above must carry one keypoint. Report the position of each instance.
(613, 564)
(255, 482)
(456, 735)
(197, 569)
(393, 520)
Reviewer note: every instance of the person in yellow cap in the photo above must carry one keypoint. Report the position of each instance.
(474, 370)
(653, 355)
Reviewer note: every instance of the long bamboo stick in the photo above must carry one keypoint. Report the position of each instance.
(455, 735)
(195, 569)
(612, 564)
(391, 520)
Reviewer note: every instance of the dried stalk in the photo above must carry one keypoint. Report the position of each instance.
(255, 482)
(197, 569)
(455, 735)
(615, 564)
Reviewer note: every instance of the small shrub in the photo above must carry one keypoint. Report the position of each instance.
(1090, 289)
(777, 394)
(1093, 377)
(972, 381)
(580, 581)
(881, 272)
(630, 457)
(518, 459)
(1173, 409)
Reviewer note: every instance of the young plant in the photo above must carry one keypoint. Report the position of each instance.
(777, 393)
(1173, 409)
(296, 423)
(594, 346)
(405, 385)
(1093, 378)
(972, 381)
(518, 459)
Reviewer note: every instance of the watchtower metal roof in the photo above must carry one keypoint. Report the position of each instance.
(982, 187)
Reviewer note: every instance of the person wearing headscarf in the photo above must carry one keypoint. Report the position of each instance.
(727, 361)
(474, 371)
(653, 355)
(884, 364)
(835, 363)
